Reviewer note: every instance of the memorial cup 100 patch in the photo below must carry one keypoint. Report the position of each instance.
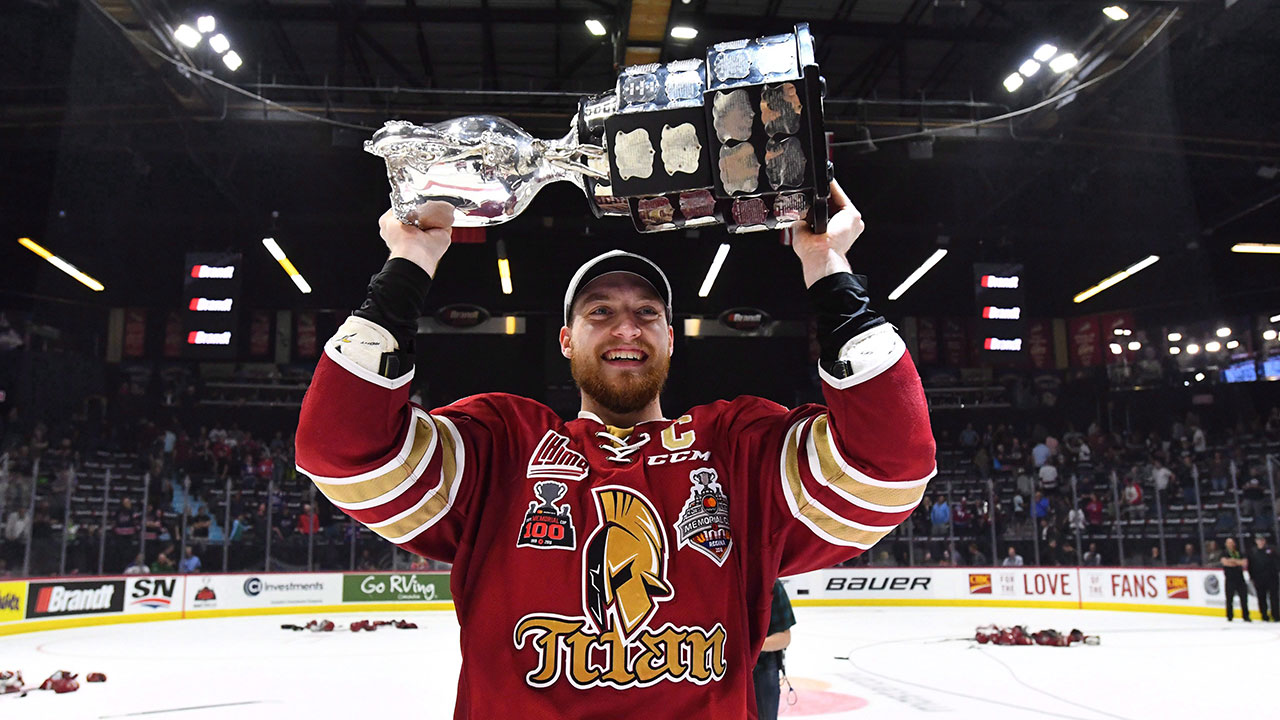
(547, 525)
(704, 522)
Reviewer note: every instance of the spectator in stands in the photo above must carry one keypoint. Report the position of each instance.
(1160, 477)
(124, 533)
(1040, 507)
(1076, 520)
(1040, 454)
(1012, 558)
(1132, 498)
(1049, 478)
(308, 522)
(138, 566)
(1219, 471)
(977, 558)
(1252, 505)
(969, 437)
(1051, 555)
(1212, 555)
(1190, 558)
(1093, 512)
(190, 561)
(1265, 574)
(1093, 558)
(1154, 557)
(962, 518)
(1233, 565)
(162, 565)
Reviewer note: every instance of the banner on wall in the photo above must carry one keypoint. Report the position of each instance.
(306, 334)
(395, 587)
(59, 599)
(259, 333)
(927, 332)
(233, 592)
(154, 593)
(12, 601)
(1085, 337)
(173, 339)
(135, 332)
(955, 344)
(1040, 344)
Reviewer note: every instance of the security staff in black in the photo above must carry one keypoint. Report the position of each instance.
(1233, 564)
(769, 668)
(1265, 573)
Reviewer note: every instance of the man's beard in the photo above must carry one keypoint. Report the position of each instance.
(625, 394)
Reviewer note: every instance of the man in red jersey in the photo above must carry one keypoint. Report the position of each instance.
(621, 564)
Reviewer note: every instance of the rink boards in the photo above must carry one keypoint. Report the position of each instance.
(44, 604)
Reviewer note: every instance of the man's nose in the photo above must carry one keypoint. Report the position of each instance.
(626, 328)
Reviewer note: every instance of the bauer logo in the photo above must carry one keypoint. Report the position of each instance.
(395, 587)
(75, 598)
(11, 597)
(1177, 587)
(152, 593)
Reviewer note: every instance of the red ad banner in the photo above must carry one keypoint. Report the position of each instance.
(955, 343)
(173, 335)
(260, 333)
(306, 334)
(135, 332)
(927, 337)
(1085, 336)
(1040, 344)
(1110, 324)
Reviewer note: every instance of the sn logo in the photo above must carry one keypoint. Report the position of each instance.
(151, 587)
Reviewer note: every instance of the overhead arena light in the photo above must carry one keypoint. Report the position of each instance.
(1212, 346)
(1119, 277)
(919, 272)
(1116, 349)
(1223, 332)
(595, 27)
(1116, 13)
(219, 43)
(1192, 349)
(187, 35)
(1269, 334)
(1013, 82)
(684, 32)
(1044, 52)
(1175, 350)
(714, 270)
(1264, 248)
(1175, 336)
(61, 264)
(1063, 63)
(1134, 345)
(1274, 318)
(504, 268)
(206, 24)
(1232, 345)
(285, 263)
(1199, 377)
(1029, 68)
(232, 61)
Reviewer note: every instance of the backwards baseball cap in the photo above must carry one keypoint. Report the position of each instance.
(618, 261)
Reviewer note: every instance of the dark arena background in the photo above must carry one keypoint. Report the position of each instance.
(1072, 220)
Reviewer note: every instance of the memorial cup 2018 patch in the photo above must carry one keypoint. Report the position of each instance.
(547, 525)
(704, 522)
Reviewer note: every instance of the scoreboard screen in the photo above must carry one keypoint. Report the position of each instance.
(211, 297)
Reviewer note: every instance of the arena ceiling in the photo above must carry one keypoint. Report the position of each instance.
(120, 157)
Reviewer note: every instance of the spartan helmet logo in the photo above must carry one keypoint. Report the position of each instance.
(626, 563)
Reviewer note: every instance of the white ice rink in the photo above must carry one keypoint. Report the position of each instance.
(856, 663)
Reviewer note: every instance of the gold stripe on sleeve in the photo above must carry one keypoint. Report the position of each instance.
(897, 498)
(437, 501)
(419, 454)
(821, 520)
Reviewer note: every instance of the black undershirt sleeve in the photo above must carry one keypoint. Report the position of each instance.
(844, 312)
(396, 298)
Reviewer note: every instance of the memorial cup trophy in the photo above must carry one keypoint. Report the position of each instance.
(735, 138)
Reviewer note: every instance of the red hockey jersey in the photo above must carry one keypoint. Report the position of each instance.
(601, 572)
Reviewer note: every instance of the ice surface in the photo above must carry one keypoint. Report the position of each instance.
(856, 663)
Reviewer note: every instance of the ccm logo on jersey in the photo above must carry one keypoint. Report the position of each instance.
(678, 443)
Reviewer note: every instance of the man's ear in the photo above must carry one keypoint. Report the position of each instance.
(671, 340)
(566, 349)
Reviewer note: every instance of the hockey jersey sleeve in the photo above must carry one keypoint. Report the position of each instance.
(410, 475)
(832, 481)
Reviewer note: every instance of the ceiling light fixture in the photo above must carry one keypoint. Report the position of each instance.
(276, 252)
(219, 43)
(1192, 349)
(1044, 52)
(1175, 336)
(62, 265)
(1013, 82)
(1223, 332)
(1175, 350)
(684, 32)
(1116, 13)
(595, 27)
(1212, 346)
(1119, 277)
(232, 61)
(187, 35)
(714, 270)
(919, 272)
(206, 23)
(1263, 248)
(1029, 68)
(1135, 345)
(1232, 345)
(1063, 63)
(1269, 334)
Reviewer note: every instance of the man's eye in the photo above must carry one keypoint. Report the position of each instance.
(599, 311)
(648, 311)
